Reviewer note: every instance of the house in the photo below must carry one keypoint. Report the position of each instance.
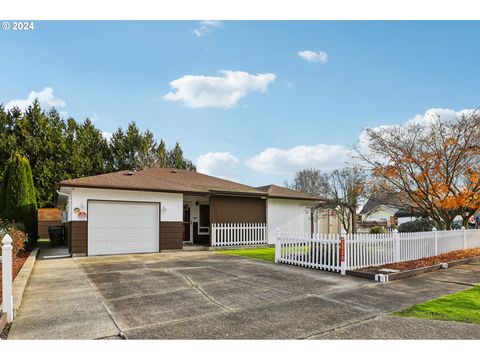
(379, 210)
(161, 209)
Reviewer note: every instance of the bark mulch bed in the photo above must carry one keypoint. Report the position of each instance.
(17, 265)
(429, 261)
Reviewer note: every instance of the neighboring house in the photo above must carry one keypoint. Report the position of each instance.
(48, 217)
(160, 209)
(379, 210)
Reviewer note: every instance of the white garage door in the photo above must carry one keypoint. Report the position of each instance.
(122, 227)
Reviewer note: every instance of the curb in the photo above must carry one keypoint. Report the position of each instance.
(409, 273)
(21, 280)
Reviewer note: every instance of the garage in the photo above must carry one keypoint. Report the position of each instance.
(122, 227)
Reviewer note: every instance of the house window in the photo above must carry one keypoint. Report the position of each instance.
(204, 221)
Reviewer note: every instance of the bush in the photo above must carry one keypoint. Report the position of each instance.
(418, 225)
(18, 235)
(378, 230)
(17, 195)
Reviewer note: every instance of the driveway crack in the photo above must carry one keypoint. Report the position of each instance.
(120, 333)
(200, 290)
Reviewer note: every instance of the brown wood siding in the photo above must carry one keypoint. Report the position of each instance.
(77, 236)
(43, 228)
(230, 209)
(171, 235)
(67, 233)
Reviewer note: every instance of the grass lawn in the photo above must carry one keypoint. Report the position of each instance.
(463, 306)
(267, 253)
(43, 242)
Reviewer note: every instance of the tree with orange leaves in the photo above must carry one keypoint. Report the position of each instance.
(435, 164)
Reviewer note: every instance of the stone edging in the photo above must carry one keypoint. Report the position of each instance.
(408, 273)
(21, 280)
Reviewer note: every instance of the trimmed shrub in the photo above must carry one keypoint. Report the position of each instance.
(378, 230)
(418, 225)
(18, 201)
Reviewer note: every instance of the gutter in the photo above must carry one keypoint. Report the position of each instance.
(63, 194)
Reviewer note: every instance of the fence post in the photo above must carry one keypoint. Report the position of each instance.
(343, 265)
(396, 243)
(436, 240)
(7, 262)
(277, 245)
(464, 239)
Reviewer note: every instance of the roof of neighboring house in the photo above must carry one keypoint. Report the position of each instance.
(49, 214)
(163, 179)
(276, 191)
(390, 200)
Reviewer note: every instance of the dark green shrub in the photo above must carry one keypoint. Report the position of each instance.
(418, 225)
(18, 201)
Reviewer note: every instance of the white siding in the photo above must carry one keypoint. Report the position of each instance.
(171, 204)
(288, 215)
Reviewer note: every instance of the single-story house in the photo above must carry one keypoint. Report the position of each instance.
(161, 209)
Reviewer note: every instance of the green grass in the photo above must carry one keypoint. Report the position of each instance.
(43, 242)
(266, 253)
(463, 306)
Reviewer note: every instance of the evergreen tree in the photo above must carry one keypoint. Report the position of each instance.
(17, 196)
(60, 149)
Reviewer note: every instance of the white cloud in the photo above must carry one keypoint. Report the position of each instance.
(280, 161)
(319, 57)
(221, 164)
(46, 98)
(206, 26)
(107, 135)
(199, 91)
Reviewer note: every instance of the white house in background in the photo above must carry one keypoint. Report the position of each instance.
(379, 210)
(161, 209)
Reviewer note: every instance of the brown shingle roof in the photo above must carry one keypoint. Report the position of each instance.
(276, 191)
(162, 179)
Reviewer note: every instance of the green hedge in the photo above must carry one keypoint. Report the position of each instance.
(17, 195)
(418, 225)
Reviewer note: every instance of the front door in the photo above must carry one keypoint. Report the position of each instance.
(186, 222)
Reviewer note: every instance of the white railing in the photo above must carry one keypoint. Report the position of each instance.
(348, 252)
(226, 234)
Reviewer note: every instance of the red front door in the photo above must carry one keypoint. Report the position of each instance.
(186, 223)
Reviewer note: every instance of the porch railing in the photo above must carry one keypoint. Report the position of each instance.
(227, 234)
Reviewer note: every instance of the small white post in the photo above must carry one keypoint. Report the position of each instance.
(277, 245)
(396, 239)
(343, 263)
(436, 241)
(7, 297)
(464, 239)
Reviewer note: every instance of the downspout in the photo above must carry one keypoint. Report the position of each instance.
(69, 196)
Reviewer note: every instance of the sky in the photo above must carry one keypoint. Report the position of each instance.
(251, 101)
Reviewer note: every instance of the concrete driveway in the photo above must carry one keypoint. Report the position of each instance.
(205, 295)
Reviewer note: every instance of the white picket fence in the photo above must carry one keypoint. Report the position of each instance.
(226, 234)
(336, 252)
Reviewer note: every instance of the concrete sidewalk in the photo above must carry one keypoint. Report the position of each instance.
(59, 303)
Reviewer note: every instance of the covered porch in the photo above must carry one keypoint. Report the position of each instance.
(204, 213)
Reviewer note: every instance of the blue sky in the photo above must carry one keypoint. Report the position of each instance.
(271, 112)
